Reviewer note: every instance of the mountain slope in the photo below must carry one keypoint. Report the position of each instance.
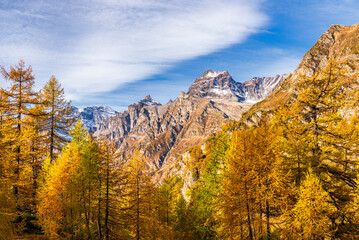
(339, 43)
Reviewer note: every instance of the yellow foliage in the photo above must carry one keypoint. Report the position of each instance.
(311, 216)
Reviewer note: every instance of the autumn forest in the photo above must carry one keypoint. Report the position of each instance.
(287, 173)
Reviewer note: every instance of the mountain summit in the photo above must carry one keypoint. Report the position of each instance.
(149, 101)
(217, 85)
(221, 86)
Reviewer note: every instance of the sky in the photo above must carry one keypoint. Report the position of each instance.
(115, 52)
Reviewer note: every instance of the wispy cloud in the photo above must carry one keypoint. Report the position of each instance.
(96, 46)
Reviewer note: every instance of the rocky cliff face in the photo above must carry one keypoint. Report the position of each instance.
(165, 132)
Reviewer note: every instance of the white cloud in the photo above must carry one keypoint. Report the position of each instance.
(95, 46)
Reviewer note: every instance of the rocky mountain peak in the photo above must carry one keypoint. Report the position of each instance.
(213, 74)
(148, 101)
(336, 27)
(317, 57)
(258, 88)
(216, 85)
(221, 86)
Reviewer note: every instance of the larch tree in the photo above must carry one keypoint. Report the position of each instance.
(36, 145)
(238, 198)
(316, 134)
(59, 206)
(111, 186)
(7, 199)
(311, 216)
(21, 98)
(318, 103)
(69, 189)
(272, 183)
(293, 142)
(57, 120)
(56, 198)
(138, 197)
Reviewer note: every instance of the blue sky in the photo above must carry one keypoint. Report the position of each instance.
(114, 53)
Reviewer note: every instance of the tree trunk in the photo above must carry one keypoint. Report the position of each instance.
(99, 230)
(137, 208)
(267, 215)
(107, 198)
(249, 222)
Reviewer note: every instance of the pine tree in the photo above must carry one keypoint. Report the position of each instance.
(57, 120)
(183, 224)
(208, 175)
(168, 192)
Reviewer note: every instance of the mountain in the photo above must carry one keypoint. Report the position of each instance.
(221, 86)
(165, 132)
(258, 88)
(93, 117)
(339, 44)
